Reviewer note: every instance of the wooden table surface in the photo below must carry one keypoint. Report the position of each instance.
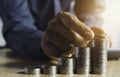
(11, 66)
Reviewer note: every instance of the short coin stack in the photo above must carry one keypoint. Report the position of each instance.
(32, 70)
(49, 69)
(66, 65)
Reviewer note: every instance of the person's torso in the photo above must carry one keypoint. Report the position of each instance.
(43, 11)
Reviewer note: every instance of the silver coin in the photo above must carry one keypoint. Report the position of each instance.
(99, 57)
(82, 60)
(49, 69)
(66, 65)
(32, 70)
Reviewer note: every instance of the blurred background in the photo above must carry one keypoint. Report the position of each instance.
(112, 21)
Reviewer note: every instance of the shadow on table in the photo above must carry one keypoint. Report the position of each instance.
(18, 62)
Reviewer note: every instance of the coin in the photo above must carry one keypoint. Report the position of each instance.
(82, 60)
(66, 65)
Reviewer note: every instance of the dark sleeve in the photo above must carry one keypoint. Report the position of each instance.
(19, 31)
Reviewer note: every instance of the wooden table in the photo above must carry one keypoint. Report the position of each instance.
(10, 66)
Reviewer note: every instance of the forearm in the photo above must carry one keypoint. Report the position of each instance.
(89, 11)
(26, 44)
(82, 6)
(19, 30)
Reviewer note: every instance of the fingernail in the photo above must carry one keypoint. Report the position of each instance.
(89, 35)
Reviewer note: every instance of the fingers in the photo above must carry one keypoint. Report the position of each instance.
(69, 53)
(99, 32)
(67, 33)
(109, 42)
(73, 23)
(50, 50)
(53, 48)
(64, 32)
(58, 41)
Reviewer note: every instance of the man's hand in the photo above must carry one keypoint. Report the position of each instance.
(64, 32)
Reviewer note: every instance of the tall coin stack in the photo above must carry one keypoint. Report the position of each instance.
(99, 56)
(82, 60)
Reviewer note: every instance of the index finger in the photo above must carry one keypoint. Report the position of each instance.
(72, 22)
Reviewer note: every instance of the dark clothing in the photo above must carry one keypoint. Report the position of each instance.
(24, 23)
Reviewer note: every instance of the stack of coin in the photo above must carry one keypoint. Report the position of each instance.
(50, 69)
(32, 70)
(99, 57)
(82, 60)
(66, 65)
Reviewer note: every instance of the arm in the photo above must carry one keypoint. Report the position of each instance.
(89, 11)
(19, 30)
